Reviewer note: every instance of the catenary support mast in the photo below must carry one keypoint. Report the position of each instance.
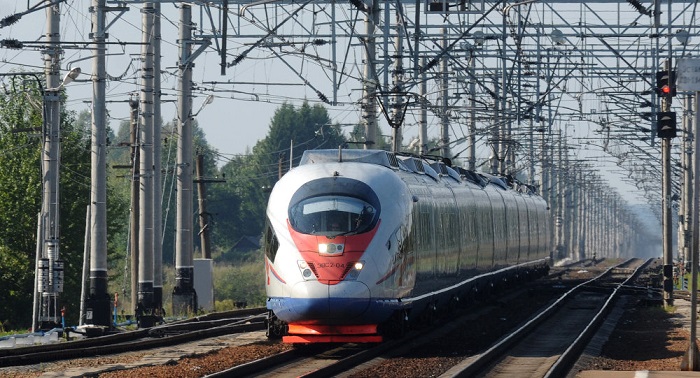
(184, 296)
(98, 304)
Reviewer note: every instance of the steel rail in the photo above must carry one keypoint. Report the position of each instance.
(473, 365)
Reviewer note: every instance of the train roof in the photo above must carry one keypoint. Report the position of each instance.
(435, 169)
(379, 157)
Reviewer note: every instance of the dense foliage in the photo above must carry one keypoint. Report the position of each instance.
(240, 202)
(236, 207)
(20, 200)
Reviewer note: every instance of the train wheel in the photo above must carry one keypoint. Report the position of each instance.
(397, 325)
(275, 327)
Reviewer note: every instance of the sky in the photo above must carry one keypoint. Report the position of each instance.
(233, 122)
(245, 99)
(240, 114)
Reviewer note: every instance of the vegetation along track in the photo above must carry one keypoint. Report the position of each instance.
(168, 334)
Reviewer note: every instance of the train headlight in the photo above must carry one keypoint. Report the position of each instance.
(305, 270)
(355, 270)
(331, 248)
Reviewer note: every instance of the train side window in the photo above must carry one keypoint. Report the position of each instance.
(270, 243)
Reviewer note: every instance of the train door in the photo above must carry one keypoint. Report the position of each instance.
(530, 229)
(520, 234)
(499, 227)
(511, 227)
(469, 248)
(446, 224)
(423, 231)
(485, 231)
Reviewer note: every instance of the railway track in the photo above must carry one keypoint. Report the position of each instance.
(192, 329)
(539, 349)
(337, 360)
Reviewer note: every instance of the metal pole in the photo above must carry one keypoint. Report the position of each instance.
(444, 119)
(86, 268)
(184, 296)
(145, 313)
(423, 131)
(495, 133)
(157, 173)
(37, 292)
(99, 303)
(684, 229)
(693, 348)
(666, 224)
(50, 155)
(472, 110)
(203, 215)
(369, 87)
(135, 203)
(398, 88)
(559, 195)
(583, 223)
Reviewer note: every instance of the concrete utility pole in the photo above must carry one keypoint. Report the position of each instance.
(688, 81)
(50, 272)
(369, 86)
(693, 358)
(558, 205)
(134, 240)
(98, 304)
(145, 310)
(444, 119)
(423, 132)
(50, 264)
(495, 135)
(157, 173)
(398, 112)
(184, 295)
(472, 111)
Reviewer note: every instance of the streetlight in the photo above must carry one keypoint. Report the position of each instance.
(206, 102)
(70, 76)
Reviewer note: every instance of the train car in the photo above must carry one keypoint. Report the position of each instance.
(360, 242)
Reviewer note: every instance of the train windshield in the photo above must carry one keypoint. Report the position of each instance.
(332, 216)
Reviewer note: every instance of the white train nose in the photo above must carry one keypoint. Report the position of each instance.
(313, 300)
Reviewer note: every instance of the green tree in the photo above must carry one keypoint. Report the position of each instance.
(357, 139)
(240, 203)
(120, 179)
(169, 155)
(20, 200)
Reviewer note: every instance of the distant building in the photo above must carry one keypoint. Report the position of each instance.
(240, 249)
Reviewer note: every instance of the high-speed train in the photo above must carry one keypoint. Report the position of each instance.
(359, 242)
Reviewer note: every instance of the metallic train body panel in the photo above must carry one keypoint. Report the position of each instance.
(434, 234)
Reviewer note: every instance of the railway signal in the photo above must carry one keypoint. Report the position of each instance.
(666, 83)
(666, 124)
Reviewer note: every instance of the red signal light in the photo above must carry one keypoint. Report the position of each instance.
(665, 83)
